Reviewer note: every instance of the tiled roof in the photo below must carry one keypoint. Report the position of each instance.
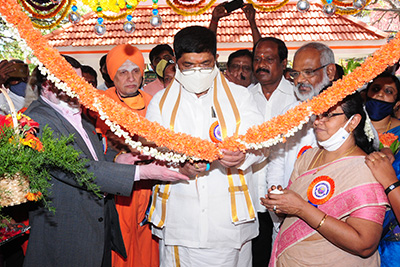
(286, 23)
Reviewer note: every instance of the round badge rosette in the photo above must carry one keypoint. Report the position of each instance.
(215, 132)
(302, 150)
(320, 190)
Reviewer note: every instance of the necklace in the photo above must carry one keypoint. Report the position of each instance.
(347, 152)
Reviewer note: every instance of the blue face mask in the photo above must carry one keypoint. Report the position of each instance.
(378, 109)
(18, 89)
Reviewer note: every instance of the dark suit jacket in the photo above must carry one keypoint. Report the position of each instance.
(83, 224)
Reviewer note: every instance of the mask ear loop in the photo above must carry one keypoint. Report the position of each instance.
(348, 121)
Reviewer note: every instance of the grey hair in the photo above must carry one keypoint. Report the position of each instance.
(326, 54)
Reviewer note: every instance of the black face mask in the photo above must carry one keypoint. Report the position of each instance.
(378, 109)
(106, 78)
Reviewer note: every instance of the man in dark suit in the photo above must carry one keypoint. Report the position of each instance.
(84, 228)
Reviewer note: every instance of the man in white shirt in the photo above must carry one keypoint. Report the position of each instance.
(209, 220)
(272, 94)
(313, 69)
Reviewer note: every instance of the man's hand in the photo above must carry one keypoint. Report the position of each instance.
(235, 78)
(131, 158)
(219, 12)
(249, 12)
(191, 169)
(232, 158)
(155, 171)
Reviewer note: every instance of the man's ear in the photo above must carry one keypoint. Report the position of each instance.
(284, 64)
(331, 71)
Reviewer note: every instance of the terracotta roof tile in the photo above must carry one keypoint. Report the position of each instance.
(286, 23)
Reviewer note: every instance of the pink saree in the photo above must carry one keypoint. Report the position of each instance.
(343, 188)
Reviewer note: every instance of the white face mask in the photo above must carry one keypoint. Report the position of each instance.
(197, 82)
(337, 139)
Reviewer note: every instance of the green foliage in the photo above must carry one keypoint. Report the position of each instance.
(350, 64)
(58, 154)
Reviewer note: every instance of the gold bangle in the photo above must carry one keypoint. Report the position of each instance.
(322, 222)
(121, 152)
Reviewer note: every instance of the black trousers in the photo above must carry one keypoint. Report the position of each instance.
(261, 245)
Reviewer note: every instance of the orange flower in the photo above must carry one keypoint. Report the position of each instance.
(33, 142)
(183, 143)
(387, 139)
(33, 196)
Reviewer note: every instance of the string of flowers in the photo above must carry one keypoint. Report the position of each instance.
(266, 134)
(42, 7)
(347, 12)
(43, 16)
(57, 22)
(189, 4)
(341, 11)
(187, 13)
(269, 8)
(342, 4)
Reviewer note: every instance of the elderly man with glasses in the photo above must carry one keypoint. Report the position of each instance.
(313, 69)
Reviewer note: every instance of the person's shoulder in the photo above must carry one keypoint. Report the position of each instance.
(286, 87)
(290, 106)
(254, 88)
(238, 90)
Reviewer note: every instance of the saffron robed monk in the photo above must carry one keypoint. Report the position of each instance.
(125, 65)
(209, 220)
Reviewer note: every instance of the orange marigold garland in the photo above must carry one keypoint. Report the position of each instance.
(266, 134)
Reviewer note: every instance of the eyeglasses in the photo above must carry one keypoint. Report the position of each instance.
(237, 67)
(326, 116)
(199, 69)
(294, 74)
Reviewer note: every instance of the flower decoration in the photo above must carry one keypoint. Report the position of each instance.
(27, 161)
(179, 6)
(389, 140)
(264, 135)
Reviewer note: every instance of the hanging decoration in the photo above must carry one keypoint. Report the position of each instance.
(189, 8)
(155, 19)
(74, 16)
(118, 9)
(264, 135)
(303, 6)
(348, 8)
(99, 28)
(53, 9)
(129, 26)
(329, 9)
(269, 8)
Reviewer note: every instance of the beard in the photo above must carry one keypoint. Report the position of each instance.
(314, 91)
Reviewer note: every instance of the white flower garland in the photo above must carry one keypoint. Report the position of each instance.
(116, 129)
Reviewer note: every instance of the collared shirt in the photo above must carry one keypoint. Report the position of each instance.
(74, 117)
(280, 98)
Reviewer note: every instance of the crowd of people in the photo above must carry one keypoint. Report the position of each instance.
(328, 196)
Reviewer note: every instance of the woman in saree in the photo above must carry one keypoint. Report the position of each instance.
(382, 101)
(334, 206)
